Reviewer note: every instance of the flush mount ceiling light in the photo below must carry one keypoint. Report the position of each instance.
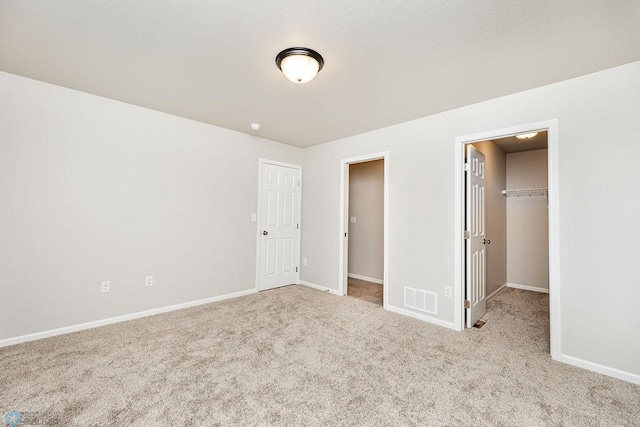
(526, 135)
(299, 64)
(255, 126)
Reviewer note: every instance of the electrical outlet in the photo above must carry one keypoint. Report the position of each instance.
(105, 287)
(353, 219)
(448, 291)
(304, 261)
(149, 281)
(253, 217)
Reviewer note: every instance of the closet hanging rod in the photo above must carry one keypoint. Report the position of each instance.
(526, 192)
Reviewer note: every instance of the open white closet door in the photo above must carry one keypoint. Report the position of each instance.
(475, 236)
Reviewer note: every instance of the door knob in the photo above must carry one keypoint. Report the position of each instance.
(487, 241)
(265, 232)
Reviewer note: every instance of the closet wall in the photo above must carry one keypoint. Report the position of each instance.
(527, 221)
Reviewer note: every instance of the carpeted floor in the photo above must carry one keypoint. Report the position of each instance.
(297, 356)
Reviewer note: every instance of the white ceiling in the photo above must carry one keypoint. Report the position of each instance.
(387, 61)
(511, 144)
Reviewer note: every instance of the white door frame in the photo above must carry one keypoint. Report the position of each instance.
(261, 163)
(344, 212)
(551, 126)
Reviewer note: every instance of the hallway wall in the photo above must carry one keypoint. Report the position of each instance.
(366, 205)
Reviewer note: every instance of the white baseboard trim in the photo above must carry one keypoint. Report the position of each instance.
(600, 369)
(366, 278)
(118, 319)
(422, 317)
(528, 288)
(497, 291)
(320, 288)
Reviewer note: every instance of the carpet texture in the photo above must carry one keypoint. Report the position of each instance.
(297, 356)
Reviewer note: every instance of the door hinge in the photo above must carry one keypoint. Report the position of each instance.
(297, 226)
(466, 167)
(467, 303)
(296, 269)
(298, 183)
(467, 235)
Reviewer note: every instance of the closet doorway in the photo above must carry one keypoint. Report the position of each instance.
(363, 228)
(514, 243)
(507, 219)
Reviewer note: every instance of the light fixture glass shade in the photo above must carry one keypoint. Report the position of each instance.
(299, 64)
(526, 135)
(300, 68)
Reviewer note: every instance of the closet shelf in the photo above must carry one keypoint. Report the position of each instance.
(526, 192)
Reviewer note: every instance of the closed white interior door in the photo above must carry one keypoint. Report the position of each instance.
(279, 226)
(475, 237)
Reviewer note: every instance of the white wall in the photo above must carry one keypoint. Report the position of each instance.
(528, 220)
(599, 145)
(93, 189)
(496, 214)
(366, 204)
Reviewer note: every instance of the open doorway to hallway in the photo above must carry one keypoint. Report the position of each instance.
(366, 231)
(364, 226)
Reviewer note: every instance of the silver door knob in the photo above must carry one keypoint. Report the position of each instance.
(487, 241)
(265, 232)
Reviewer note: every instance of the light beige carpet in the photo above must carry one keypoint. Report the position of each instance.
(297, 356)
